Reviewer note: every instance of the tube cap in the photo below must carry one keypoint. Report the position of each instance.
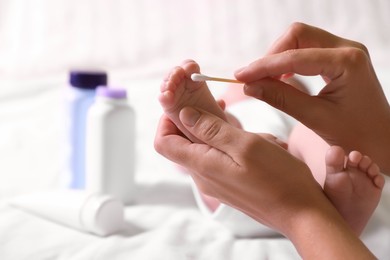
(102, 215)
(87, 79)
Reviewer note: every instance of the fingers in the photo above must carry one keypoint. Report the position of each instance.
(301, 36)
(299, 41)
(167, 133)
(336, 65)
(172, 144)
(288, 99)
(308, 62)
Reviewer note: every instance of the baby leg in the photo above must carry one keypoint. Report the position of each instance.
(179, 91)
(307, 146)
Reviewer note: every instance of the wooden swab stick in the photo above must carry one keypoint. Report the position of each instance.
(201, 77)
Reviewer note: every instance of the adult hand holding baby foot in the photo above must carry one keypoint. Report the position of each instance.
(262, 179)
(350, 111)
(245, 171)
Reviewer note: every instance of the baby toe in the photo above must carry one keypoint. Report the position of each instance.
(365, 163)
(334, 159)
(373, 170)
(354, 159)
(379, 181)
(190, 67)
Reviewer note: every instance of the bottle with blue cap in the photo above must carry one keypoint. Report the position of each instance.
(80, 94)
(110, 146)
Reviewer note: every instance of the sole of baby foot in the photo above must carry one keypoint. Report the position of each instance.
(354, 185)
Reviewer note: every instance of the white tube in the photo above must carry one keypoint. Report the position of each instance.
(90, 212)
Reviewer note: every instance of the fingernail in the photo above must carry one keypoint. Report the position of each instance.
(240, 70)
(254, 91)
(189, 116)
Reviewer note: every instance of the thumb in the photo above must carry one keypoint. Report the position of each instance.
(287, 98)
(212, 130)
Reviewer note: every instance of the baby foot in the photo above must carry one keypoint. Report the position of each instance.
(354, 186)
(179, 91)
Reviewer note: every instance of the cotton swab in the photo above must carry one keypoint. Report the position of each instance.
(201, 77)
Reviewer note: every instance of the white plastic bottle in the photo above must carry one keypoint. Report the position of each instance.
(110, 150)
(80, 94)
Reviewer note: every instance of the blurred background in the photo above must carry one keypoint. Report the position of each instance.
(40, 40)
(45, 37)
(137, 42)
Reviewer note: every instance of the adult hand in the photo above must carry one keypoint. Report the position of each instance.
(351, 110)
(234, 165)
(261, 179)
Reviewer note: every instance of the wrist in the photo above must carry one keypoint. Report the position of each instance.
(321, 233)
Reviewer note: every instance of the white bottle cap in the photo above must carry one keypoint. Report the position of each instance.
(102, 215)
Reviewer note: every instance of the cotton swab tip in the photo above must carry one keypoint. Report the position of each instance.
(198, 77)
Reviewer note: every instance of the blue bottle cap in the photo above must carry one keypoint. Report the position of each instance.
(87, 79)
